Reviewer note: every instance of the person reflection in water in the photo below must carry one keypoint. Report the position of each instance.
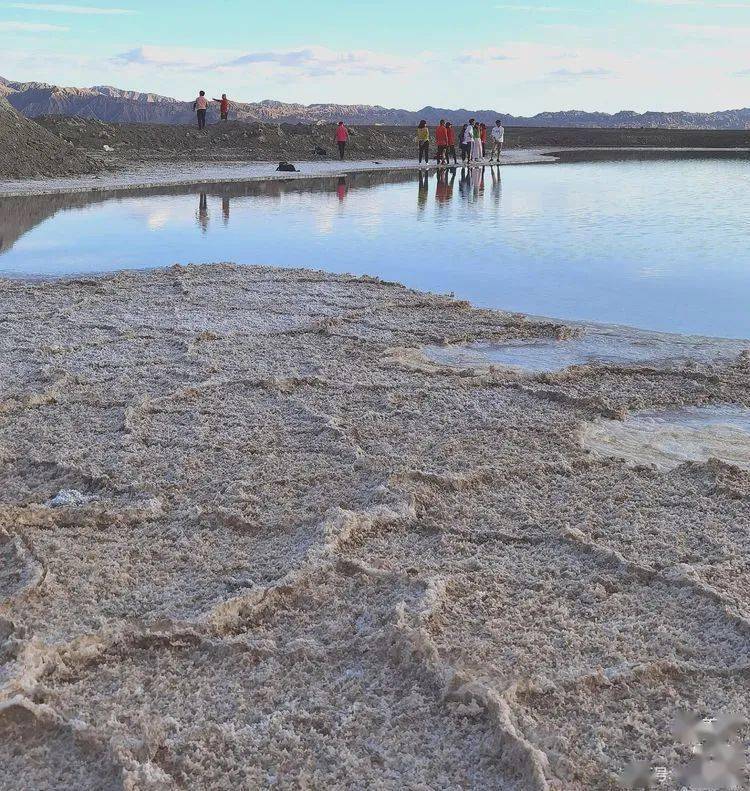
(423, 189)
(341, 188)
(203, 212)
(477, 183)
(225, 208)
(497, 185)
(444, 188)
(464, 184)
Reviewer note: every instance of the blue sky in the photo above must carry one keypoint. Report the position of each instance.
(519, 56)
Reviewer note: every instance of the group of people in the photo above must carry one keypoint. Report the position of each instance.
(200, 105)
(472, 137)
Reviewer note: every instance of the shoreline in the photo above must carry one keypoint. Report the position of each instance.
(236, 504)
(131, 178)
(174, 174)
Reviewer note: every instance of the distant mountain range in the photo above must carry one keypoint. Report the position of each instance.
(114, 105)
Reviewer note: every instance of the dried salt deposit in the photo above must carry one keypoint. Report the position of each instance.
(301, 555)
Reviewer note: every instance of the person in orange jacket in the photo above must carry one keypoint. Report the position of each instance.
(342, 138)
(483, 137)
(223, 106)
(451, 143)
(441, 141)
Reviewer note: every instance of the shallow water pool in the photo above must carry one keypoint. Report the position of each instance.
(672, 437)
(660, 245)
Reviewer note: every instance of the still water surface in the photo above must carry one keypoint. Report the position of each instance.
(660, 245)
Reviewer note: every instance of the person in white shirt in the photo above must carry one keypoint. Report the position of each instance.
(200, 105)
(498, 138)
(467, 138)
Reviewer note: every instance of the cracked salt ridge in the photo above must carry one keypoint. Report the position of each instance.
(429, 565)
(593, 344)
(670, 438)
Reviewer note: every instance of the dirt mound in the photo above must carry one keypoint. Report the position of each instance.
(230, 141)
(29, 150)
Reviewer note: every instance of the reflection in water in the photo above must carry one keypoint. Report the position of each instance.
(477, 183)
(444, 190)
(341, 188)
(423, 189)
(203, 212)
(497, 185)
(630, 243)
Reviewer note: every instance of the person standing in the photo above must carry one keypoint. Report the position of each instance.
(476, 143)
(483, 138)
(467, 138)
(223, 107)
(451, 143)
(423, 141)
(200, 105)
(342, 138)
(498, 138)
(441, 141)
(462, 143)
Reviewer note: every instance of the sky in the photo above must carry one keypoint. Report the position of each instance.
(519, 57)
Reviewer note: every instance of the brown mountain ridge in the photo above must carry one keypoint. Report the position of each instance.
(113, 105)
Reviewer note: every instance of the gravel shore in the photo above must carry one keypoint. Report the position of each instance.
(250, 537)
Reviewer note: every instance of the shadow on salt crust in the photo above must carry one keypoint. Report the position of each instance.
(669, 438)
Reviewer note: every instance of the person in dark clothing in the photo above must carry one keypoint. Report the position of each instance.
(465, 144)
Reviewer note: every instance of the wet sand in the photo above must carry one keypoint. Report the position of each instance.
(292, 552)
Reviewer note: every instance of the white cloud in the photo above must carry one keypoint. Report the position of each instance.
(530, 8)
(315, 61)
(697, 3)
(310, 61)
(69, 9)
(580, 74)
(484, 56)
(171, 57)
(713, 32)
(31, 27)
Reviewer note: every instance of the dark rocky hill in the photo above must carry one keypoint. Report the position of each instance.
(105, 103)
(30, 150)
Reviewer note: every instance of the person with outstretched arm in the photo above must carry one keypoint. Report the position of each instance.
(342, 138)
(498, 138)
(200, 105)
(223, 107)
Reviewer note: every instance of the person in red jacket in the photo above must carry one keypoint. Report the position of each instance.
(451, 143)
(342, 137)
(483, 137)
(441, 141)
(223, 106)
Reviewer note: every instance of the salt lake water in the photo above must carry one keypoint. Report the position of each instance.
(659, 245)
